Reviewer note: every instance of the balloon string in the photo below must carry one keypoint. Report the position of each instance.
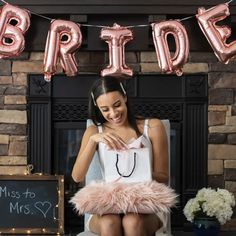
(132, 26)
(45, 17)
(96, 26)
(187, 18)
(34, 13)
(102, 26)
(190, 17)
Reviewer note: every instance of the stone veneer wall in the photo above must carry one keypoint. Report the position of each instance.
(222, 108)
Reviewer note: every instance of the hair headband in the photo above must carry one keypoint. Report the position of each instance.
(95, 104)
(122, 87)
(92, 95)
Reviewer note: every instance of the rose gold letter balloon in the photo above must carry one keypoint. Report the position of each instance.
(12, 41)
(116, 37)
(64, 38)
(215, 34)
(160, 32)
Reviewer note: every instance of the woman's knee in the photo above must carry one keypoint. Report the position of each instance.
(133, 222)
(110, 222)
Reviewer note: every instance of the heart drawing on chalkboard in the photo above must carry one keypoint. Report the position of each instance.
(43, 207)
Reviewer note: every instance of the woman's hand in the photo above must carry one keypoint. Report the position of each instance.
(112, 140)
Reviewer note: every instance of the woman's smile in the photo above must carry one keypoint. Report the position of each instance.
(117, 119)
(113, 107)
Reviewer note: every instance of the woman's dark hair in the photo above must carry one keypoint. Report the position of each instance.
(106, 85)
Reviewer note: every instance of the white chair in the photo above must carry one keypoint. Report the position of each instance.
(94, 173)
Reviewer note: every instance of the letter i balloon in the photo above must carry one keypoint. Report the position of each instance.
(116, 37)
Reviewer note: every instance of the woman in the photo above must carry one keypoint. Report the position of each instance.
(115, 125)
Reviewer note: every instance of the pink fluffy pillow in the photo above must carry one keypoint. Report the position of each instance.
(114, 198)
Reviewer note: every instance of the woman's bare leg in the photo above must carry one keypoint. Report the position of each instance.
(106, 225)
(140, 224)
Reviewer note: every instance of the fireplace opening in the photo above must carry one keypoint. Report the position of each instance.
(57, 121)
(67, 140)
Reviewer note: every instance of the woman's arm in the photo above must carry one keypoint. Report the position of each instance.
(159, 141)
(85, 155)
(88, 147)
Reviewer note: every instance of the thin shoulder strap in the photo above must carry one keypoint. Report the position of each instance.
(100, 129)
(145, 129)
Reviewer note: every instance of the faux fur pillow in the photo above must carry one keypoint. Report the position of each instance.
(107, 198)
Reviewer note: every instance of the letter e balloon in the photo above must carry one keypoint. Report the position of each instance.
(215, 34)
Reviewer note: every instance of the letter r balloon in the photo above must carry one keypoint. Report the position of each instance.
(116, 37)
(12, 41)
(63, 40)
(168, 63)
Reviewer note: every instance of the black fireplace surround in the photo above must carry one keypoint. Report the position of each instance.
(57, 113)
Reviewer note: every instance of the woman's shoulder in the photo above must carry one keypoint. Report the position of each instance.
(156, 128)
(90, 130)
(151, 123)
(154, 122)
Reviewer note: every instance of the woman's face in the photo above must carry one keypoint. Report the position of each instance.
(113, 107)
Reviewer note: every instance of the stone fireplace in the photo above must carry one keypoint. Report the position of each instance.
(20, 75)
(57, 119)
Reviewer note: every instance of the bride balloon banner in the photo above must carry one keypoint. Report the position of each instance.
(65, 38)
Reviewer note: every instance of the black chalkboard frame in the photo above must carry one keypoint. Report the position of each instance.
(59, 181)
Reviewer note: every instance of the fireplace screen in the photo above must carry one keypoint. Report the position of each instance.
(67, 140)
(66, 146)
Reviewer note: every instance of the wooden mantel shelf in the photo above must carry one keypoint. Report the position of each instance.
(118, 6)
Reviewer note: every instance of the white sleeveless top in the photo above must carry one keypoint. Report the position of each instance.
(143, 139)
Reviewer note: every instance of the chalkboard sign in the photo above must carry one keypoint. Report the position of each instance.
(31, 204)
